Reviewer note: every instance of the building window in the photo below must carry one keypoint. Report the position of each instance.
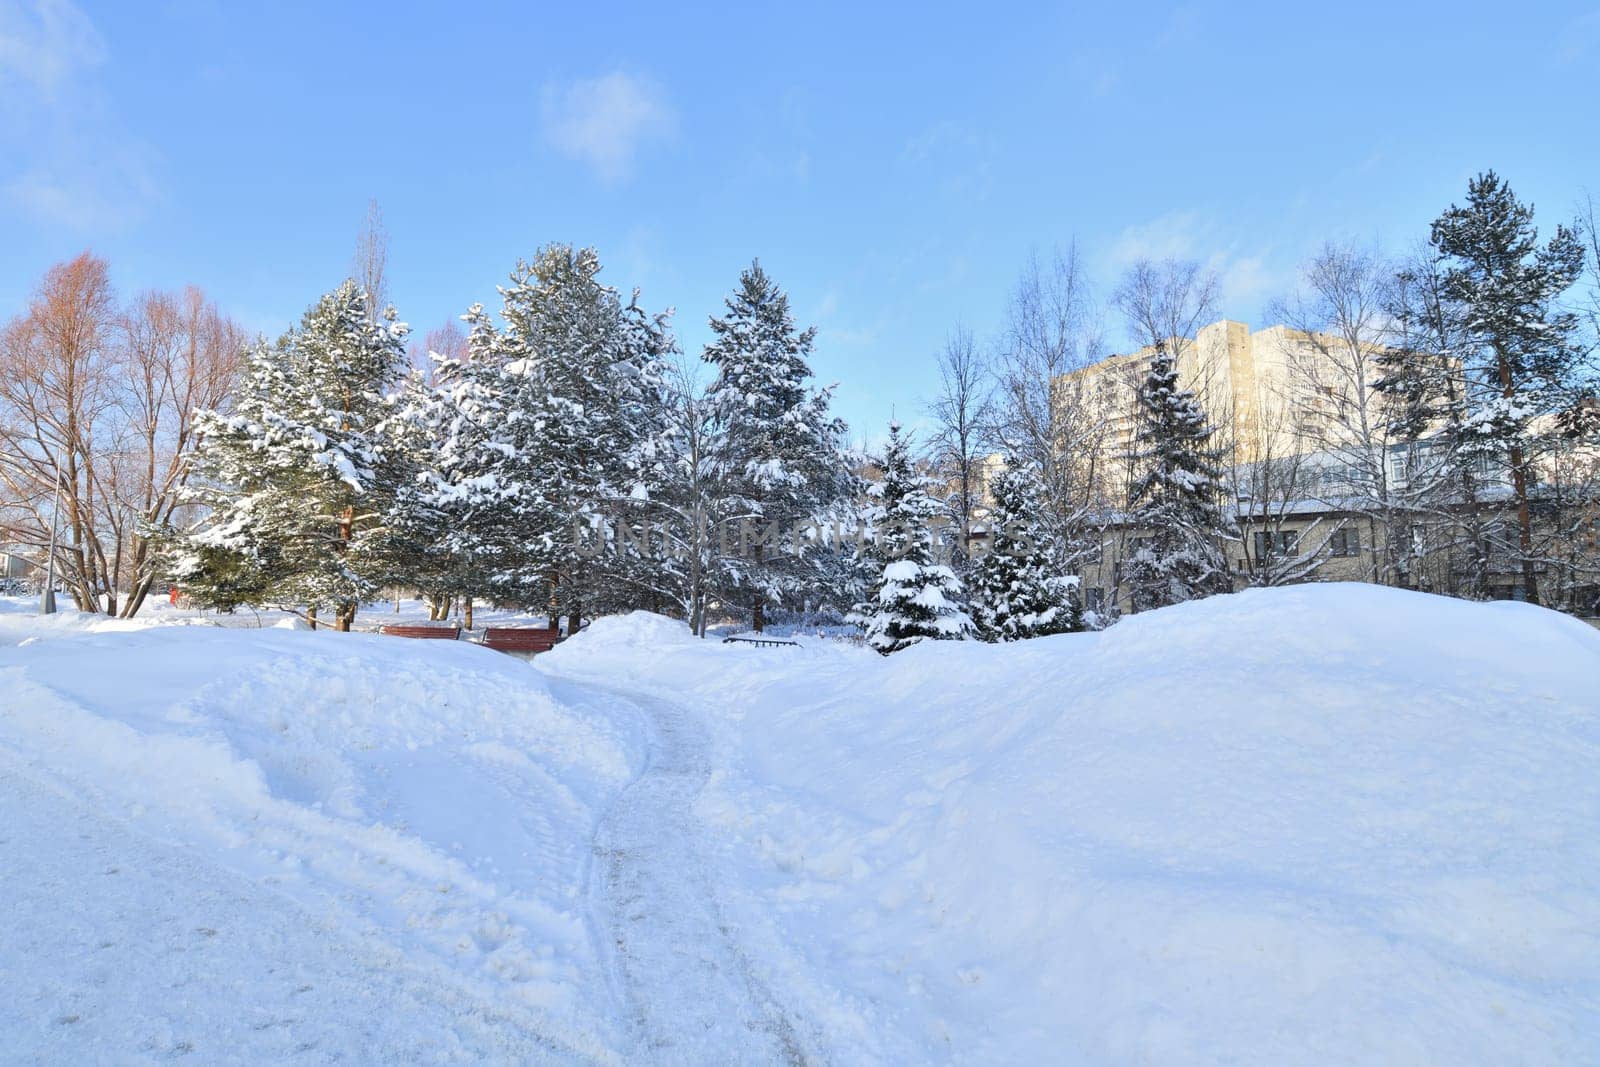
(1277, 543)
(1398, 468)
(1345, 542)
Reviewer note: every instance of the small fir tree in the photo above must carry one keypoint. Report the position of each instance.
(915, 597)
(1019, 588)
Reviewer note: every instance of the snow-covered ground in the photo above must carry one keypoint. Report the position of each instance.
(418, 813)
(1323, 824)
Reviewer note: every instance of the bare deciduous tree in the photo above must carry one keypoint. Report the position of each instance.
(179, 355)
(100, 401)
(1343, 317)
(449, 341)
(1270, 492)
(369, 265)
(1045, 415)
(1167, 301)
(962, 414)
(1449, 546)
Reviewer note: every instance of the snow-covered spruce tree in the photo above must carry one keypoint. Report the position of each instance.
(1175, 498)
(1019, 588)
(915, 597)
(579, 377)
(778, 449)
(492, 482)
(463, 510)
(293, 476)
(1521, 356)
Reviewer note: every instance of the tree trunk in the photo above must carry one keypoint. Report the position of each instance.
(467, 613)
(1390, 549)
(136, 597)
(345, 617)
(574, 620)
(1519, 488)
(311, 616)
(758, 612)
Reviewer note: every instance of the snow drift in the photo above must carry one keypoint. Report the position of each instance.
(402, 828)
(1324, 824)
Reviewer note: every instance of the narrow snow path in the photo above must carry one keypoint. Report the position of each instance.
(680, 970)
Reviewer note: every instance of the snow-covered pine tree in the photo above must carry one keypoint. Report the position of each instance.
(1521, 357)
(1175, 499)
(1019, 588)
(778, 447)
(293, 476)
(915, 597)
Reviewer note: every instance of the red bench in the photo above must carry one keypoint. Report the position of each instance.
(437, 633)
(521, 638)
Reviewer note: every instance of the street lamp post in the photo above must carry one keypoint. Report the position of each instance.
(47, 603)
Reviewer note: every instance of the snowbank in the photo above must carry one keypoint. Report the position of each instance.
(424, 808)
(1332, 823)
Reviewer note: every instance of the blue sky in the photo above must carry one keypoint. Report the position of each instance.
(892, 169)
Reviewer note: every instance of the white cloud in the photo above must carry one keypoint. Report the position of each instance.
(958, 156)
(66, 157)
(604, 122)
(1580, 36)
(1249, 274)
(1176, 235)
(44, 44)
(108, 194)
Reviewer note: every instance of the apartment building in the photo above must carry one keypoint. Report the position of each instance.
(1271, 392)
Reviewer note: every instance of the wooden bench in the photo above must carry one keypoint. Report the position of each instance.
(437, 633)
(521, 638)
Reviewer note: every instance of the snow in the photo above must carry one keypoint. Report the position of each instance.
(425, 805)
(1321, 824)
(1317, 824)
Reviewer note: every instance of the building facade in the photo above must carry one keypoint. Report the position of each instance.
(1315, 487)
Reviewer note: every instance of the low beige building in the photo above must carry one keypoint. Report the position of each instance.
(1316, 541)
(13, 566)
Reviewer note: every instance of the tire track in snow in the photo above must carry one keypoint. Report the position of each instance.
(688, 986)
